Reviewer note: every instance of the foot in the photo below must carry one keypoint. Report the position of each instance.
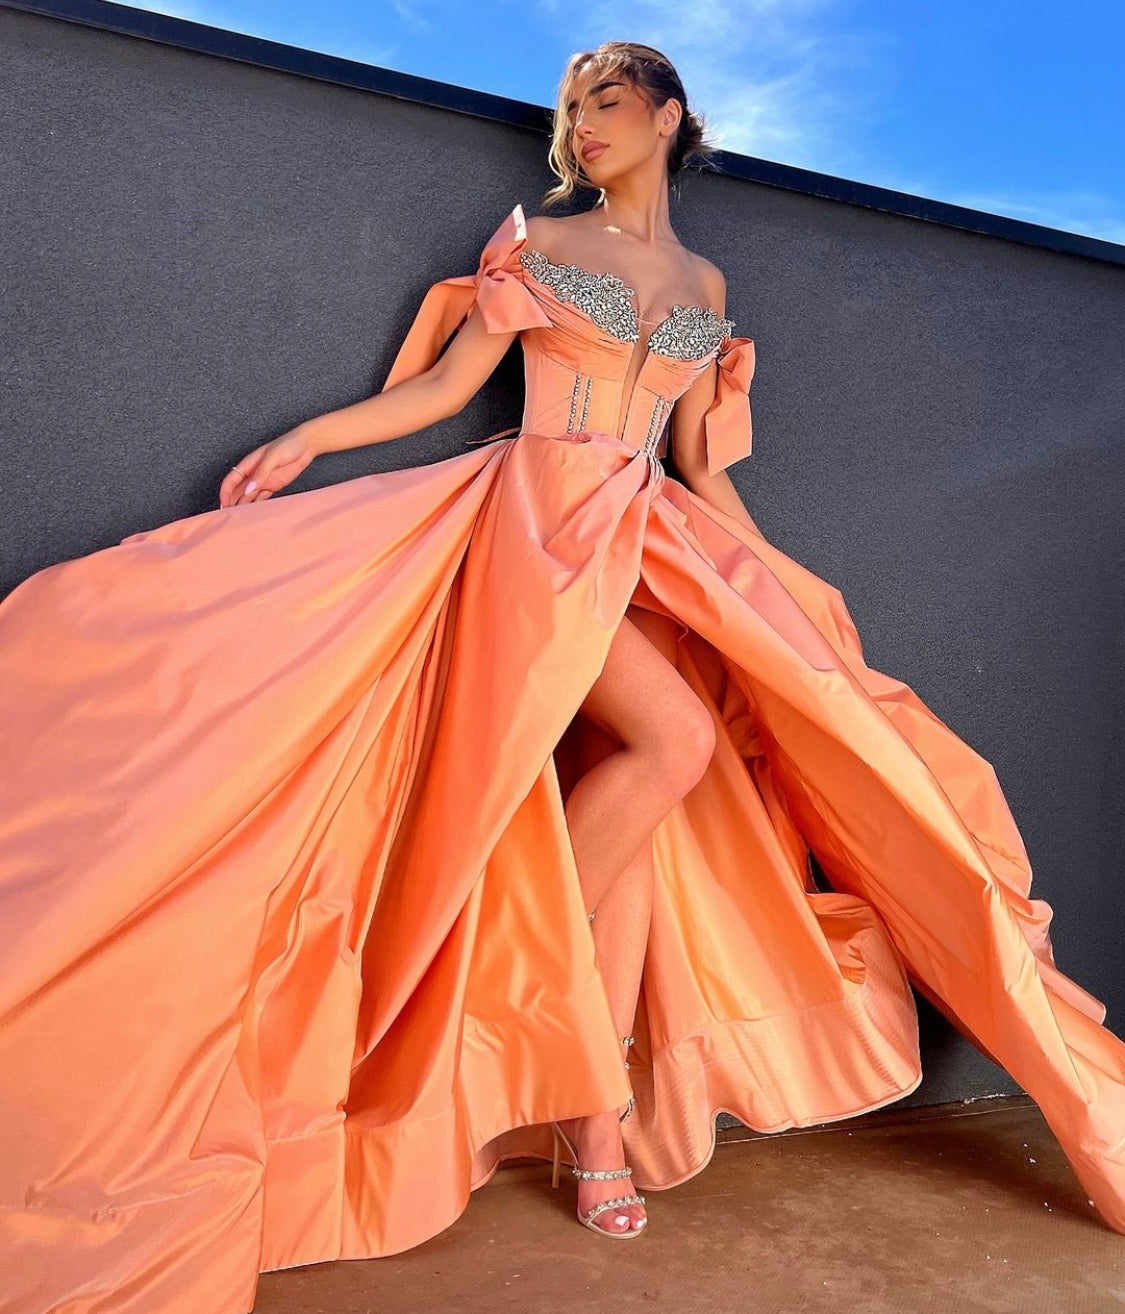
(597, 1139)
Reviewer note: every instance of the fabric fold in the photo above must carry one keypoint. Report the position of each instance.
(242, 1019)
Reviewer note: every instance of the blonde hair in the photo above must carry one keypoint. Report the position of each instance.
(655, 78)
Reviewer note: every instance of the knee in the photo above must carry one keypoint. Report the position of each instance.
(688, 748)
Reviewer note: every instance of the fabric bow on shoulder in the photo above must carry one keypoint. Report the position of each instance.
(496, 289)
(727, 423)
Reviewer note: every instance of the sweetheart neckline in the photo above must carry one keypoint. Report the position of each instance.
(613, 280)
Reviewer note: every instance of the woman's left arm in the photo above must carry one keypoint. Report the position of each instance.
(717, 489)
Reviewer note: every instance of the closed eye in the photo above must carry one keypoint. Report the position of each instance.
(608, 105)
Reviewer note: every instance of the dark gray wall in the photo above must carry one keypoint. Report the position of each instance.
(199, 253)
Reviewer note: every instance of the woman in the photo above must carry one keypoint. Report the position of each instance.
(358, 834)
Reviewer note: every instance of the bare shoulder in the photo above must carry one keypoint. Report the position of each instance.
(541, 229)
(555, 235)
(714, 282)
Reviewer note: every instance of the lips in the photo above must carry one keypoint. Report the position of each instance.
(593, 150)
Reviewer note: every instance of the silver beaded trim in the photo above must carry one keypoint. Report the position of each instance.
(573, 403)
(685, 333)
(578, 381)
(604, 297)
(621, 1200)
(656, 425)
(599, 1174)
(690, 333)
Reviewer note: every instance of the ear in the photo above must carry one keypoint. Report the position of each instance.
(671, 115)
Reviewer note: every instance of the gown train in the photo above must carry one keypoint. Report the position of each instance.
(294, 947)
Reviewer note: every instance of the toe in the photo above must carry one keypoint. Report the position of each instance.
(614, 1221)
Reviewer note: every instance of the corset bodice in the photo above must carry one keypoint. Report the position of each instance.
(588, 367)
(581, 372)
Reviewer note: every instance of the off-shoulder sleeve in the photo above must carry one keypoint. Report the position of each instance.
(497, 290)
(727, 424)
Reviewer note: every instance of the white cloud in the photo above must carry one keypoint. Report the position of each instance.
(409, 14)
(794, 81)
(770, 77)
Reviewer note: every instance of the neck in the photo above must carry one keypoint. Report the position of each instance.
(636, 209)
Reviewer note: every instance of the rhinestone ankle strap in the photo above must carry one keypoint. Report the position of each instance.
(599, 1174)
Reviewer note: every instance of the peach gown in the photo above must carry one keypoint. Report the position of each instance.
(294, 949)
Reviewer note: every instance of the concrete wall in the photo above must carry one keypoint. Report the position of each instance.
(200, 252)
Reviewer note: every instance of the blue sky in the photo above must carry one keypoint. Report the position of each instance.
(1015, 107)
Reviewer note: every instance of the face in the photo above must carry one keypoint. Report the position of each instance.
(608, 109)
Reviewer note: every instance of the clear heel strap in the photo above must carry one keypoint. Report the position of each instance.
(627, 1041)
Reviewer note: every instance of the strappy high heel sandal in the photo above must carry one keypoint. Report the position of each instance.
(598, 1174)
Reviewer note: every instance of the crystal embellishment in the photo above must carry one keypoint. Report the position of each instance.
(689, 332)
(685, 333)
(599, 1174)
(660, 411)
(617, 1203)
(603, 297)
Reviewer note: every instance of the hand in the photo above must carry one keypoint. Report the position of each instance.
(268, 468)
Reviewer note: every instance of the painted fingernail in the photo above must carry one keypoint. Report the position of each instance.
(251, 485)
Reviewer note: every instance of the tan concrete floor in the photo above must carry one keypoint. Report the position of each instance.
(957, 1209)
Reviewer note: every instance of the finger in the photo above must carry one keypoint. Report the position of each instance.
(231, 489)
(227, 488)
(243, 472)
(236, 476)
(274, 480)
(251, 485)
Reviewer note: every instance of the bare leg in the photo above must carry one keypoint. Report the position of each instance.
(621, 937)
(624, 913)
(666, 737)
(656, 741)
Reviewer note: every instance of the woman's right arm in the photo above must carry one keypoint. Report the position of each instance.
(413, 404)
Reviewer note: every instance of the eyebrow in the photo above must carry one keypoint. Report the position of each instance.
(599, 86)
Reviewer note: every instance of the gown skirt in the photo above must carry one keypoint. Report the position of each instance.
(294, 948)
